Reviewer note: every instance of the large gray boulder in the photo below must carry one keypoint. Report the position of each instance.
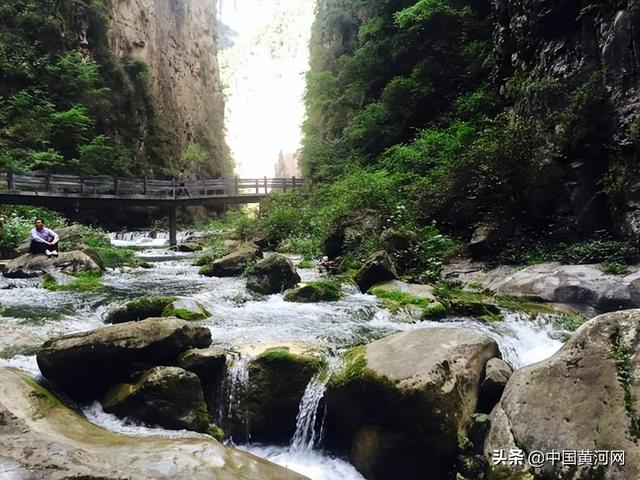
(274, 274)
(166, 396)
(585, 397)
(29, 266)
(40, 438)
(378, 268)
(234, 263)
(399, 403)
(85, 364)
(140, 308)
(580, 285)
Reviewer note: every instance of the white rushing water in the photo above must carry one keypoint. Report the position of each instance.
(241, 319)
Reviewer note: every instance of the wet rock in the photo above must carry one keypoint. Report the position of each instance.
(582, 398)
(41, 438)
(210, 366)
(138, 309)
(186, 308)
(168, 397)
(277, 380)
(234, 263)
(378, 268)
(85, 364)
(496, 376)
(272, 275)
(30, 266)
(323, 291)
(399, 403)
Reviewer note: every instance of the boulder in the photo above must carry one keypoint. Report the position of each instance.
(412, 300)
(210, 366)
(352, 229)
(204, 362)
(184, 308)
(234, 263)
(487, 238)
(496, 376)
(274, 274)
(278, 378)
(585, 397)
(398, 404)
(578, 285)
(322, 291)
(30, 266)
(169, 397)
(414, 289)
(188, 247)
(85, 364)
(138, 309)
(41, 438)
(378, 268)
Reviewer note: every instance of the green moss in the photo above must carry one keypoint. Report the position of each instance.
(621, 354)
(83, 282)
(355, 364)
(396, 298)
(323, 291)
(139, 309)
(216, 432)
(434, 311)
(185, 313)
(615, 268)
(306, 264)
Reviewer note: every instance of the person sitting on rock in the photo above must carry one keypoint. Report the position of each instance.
(43, 240)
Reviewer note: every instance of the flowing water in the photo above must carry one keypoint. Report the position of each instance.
(30, 314)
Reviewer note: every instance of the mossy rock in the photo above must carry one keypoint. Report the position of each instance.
(139, 309)
(323, 291)
(404, 395)
(277, 381)
(166, 396)
(186, 309)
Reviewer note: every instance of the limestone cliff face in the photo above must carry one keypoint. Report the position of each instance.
(555, 49)
(177, 41)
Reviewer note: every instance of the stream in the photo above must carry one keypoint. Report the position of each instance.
(242, 320)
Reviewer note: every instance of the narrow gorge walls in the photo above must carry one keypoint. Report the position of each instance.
(176, 39)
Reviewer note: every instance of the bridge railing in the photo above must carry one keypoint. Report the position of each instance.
(55, 184)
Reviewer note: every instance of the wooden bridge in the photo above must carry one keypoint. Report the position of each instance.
(50, 190)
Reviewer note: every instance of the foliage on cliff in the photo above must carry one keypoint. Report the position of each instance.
(416, 91)
(68, 103)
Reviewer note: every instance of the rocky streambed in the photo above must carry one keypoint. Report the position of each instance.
(318, 387)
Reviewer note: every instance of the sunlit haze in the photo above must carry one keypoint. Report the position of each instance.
(263, 73)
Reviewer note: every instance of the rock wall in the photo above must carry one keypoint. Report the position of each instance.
(554, 49)
(177, 41)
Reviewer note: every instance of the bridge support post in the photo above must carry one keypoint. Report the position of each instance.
(173, 227)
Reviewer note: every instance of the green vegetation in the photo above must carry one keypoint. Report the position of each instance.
(395, 300)
(83, 281)
(19, 222)
(323, 291)
(139, 309)
(621, 355)
(306, 263)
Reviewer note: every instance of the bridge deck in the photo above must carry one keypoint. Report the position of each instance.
(109, 192)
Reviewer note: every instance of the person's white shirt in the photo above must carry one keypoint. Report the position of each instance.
(46, 235)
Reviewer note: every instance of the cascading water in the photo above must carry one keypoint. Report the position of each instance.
(234, 413)
(240, 319)
(310, 428)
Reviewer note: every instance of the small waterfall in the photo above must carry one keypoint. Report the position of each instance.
(234, 413)
(310, 428)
